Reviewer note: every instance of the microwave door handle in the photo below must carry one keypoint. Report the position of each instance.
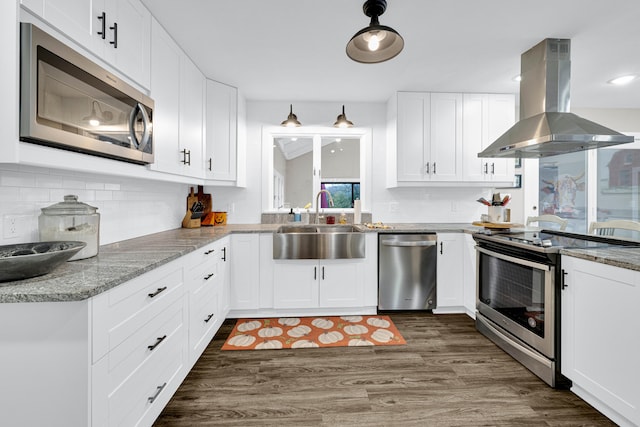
(142, 143)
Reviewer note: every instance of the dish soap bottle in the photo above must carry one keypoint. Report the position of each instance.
(343, 218)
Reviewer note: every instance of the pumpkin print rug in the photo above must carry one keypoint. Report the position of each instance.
(312, 332)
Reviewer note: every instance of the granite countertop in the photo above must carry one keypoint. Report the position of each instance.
(625, 257)
(119, 262)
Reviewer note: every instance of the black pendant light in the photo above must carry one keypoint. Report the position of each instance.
(292, 119)
(342, 121)
(375, 43)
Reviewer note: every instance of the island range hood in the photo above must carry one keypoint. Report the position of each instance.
(546, 127)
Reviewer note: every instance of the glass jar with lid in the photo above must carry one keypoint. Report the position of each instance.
(71, 220)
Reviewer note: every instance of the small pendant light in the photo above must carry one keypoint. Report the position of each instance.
(342, 121)
(375, 43)
(292, 119)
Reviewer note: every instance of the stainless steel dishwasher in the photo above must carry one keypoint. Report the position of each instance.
(407, 271)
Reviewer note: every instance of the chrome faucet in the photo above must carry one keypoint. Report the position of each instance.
(318, 203)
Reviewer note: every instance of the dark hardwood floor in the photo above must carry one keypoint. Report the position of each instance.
(447, 375)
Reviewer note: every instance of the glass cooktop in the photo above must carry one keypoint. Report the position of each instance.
(552, 241)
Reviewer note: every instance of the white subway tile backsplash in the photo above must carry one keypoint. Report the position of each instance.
(112, 186)
(73, 182)
(30, 194)
(104, 195)
(17, 179)
(128, 208)
(95, 185)
(48, 181)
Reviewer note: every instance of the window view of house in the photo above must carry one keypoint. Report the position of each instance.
(565, 179)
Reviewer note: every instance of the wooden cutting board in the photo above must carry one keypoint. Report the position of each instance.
(501, 225)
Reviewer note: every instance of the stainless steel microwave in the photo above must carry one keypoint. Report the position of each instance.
(70, 102)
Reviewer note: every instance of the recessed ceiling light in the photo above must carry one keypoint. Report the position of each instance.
(517, 78)
(623, 80)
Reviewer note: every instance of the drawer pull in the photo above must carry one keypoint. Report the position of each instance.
(158, 291)
(159, 389)
(157, 343)
(208, 276)
(208, 318)
(210, 251)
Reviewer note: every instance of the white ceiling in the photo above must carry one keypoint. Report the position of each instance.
(294, 50)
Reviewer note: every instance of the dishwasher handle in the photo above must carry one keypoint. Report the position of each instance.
(391, 242)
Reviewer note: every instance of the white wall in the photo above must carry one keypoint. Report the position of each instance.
(419, 204)
(128, 207)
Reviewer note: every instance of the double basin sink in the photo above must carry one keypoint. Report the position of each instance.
(318, 242)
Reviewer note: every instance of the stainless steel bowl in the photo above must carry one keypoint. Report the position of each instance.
(25, 260)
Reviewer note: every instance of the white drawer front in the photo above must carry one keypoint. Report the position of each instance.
(205, 319)
(126, 400)
(160, 332)
(121, 311)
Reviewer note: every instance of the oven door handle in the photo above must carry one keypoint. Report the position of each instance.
(515, 260)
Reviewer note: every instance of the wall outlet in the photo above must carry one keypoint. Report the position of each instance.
(10, 226)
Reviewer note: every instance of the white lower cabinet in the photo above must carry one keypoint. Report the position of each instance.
(599, 337)
(318, 283)
(470, 283)
(139, 347)
(208, 295)
(450, 273)
(245, 271)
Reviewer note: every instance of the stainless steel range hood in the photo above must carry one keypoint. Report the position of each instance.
(546, 127)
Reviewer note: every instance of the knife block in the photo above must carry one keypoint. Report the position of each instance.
(187, 222)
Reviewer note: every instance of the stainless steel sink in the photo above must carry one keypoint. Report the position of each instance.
(318, 242)
(322, 228)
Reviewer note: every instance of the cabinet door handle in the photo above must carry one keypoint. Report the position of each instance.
(208, 276)
(103, 25)
(114, 42)
(434, 168)
(210, 251)
(315, 273)
(157, 343)
(441, 246)
(210, 163)
(209, 317)
(426, 169)
(157, 292)
(158, 391)
(186, 157)
(224, 254)
(493, 168)
(323, 272)
(563, 283)
(486, 168)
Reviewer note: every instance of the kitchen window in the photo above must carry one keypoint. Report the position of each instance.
(594, 185)
(343, 194)
(301, 162)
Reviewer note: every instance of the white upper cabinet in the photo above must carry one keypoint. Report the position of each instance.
(439, 135)
(192, 90)
(117, 31)
(177, 87)
(222, 131)
(485, 118)
(71, 17)
(165, 91)
(428, 136)
(126, 40)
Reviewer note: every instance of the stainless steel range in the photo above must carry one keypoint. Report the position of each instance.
(519, 285)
